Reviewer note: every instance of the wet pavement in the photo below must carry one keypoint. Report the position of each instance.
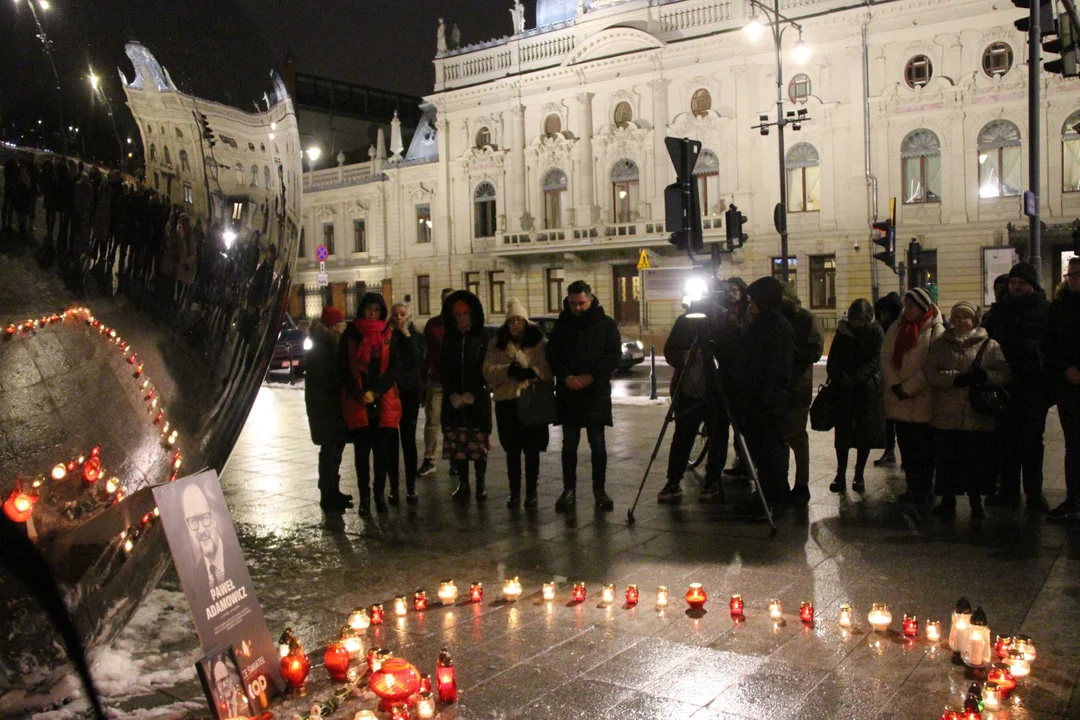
(532, 659)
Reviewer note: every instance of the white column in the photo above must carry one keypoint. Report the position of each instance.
(585, 210)
(517, 215)
(660, 172)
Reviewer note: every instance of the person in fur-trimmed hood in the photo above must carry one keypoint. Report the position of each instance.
(516, 358)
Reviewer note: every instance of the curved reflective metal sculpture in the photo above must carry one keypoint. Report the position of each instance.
(143, 279)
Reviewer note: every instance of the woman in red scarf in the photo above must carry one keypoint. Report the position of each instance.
(907, 393)
(375, 359)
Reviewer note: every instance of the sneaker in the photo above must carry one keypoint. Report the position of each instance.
(426, 468)
(671, 493)
(886, 460)
(1037, 505)
(712, 493)
(1067, 510)
(800, 495)
(1003, 500)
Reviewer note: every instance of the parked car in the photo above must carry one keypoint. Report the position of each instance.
(633, 352)
(291, 348)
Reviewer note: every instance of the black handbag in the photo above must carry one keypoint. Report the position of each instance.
(985, 400)
(536, 405)
(823, 409)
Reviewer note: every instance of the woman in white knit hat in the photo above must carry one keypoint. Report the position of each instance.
(516, 358)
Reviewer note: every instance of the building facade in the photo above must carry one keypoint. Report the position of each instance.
(541, 158)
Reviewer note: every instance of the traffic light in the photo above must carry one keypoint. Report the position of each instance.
(914, 250)
(1065, 45)
(733, 222)
(885, 237)
(1046, 17)
(682, 206)
(207, 131)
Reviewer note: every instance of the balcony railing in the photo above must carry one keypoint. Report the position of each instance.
(340, 176)
(646, 230)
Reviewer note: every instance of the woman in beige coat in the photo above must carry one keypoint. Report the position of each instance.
(964, 437)
(517, 357)
(907, 394)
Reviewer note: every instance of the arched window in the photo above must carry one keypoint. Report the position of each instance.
(623, 114)
(701, 103)
(168, 158)
(707, 172)
(254, 176)
(803, 178)
(149, 129)
(153, 152)
(799, 88)
(484, 209)
(624, 191)
(997, 59)
(239, 167)
(1000, 171)
(552, 124)
(918, 71)
(1070, 153)
(483, 137)
(266, 176)
(185, 162)
(920, 154)
(555, 199)
(179, 134)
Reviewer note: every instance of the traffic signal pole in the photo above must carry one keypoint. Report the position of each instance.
(782, 216)
(1034, 135)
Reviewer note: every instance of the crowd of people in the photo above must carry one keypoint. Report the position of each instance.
(964, 398)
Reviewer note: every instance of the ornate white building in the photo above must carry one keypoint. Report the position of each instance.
(541, 159)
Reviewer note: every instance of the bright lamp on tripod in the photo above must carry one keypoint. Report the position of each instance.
(695, 289)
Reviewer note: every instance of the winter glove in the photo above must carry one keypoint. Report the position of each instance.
(978, 376)
(517, 372)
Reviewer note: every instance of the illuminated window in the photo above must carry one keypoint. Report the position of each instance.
(701, 103)
(484, 209)
(920, 154)
(803, 178)
(1000, 171)
(624, 191)
(799, 88)
(623, 114)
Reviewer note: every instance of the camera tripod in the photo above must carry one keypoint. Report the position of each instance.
(714, 389)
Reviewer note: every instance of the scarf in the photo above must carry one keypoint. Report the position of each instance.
(371, 339)
(907, 337)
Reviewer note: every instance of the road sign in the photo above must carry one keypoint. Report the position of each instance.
(324, 279)
(322, 252)
(643, 261)
(322, 266)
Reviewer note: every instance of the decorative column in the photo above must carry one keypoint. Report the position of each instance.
(585, 211)
(443, 221)
(659, 155)
(518, 214)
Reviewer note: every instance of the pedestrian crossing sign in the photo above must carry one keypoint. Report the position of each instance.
(643, 261)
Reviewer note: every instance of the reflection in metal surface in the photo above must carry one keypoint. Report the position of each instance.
(140, 297)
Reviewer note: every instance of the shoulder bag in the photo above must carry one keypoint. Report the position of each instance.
(536, 405)
(823, 409)
(985, 400)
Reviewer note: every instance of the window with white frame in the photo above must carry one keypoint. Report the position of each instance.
(701, 103)
(920, 154)
(359, 234)
(1070, 154)
(803, 178)
(997, 59)
(554, 278)
(472, 282)
(918, 71)
(423, 223)
(555, 199)
(624, 191)
(799, 88)
(707, 172)
(552, 124)
(624, 114)
(484, 210)
(497, 292)
(1000, 171)
(328, 236)
(483, 137)
(822, 282)
(189, 194)
(185, 162)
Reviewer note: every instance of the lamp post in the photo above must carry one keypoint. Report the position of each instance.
(97, 90)
(312, 154)
(777, 24)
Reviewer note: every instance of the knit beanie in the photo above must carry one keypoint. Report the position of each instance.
(515, 308)
(331, 316)
(920, 297)
(966, 307)
(767, 293)
(1025, 271)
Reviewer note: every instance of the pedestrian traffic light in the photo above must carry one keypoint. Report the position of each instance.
(914, 250)
(207, 131)
(733, 222)
(1046, 17)
(1065, 45)
(885, 237)
(682, 206)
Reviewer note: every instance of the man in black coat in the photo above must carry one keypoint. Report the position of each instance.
(809, 345)
(1017, 324)
(1061, 348)
(583, 352)
(759, 392)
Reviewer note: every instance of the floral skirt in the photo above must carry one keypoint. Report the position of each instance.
(464, 444)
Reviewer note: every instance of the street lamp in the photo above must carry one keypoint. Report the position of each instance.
(313, 154)
(754, 29)
(93, 80)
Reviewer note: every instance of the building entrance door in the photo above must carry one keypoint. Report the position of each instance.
(627, 294)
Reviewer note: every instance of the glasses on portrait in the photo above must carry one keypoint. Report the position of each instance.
(194, 521)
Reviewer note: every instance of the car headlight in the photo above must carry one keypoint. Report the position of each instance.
(638, 344)
(308, 344)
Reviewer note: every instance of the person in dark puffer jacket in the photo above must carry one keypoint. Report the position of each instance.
(322, 399)
(809, 345)
(411, 391)
(1061, 348)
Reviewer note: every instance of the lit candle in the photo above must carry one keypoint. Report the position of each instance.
(1026, 645)
(960, 626)
(661, 597)
(736, 605)
(420, 600)
(350, 639)
(476, 592)
(425, 683)
(1001, 677)
(579, 592)
(631, 595)
(377, 614)
(399, 712)
(425, 705)
(549, 591)
(446, 677)
(933, 631)
(1018, 666)
(1002, 646)
(880, 617)
(336, 661)
(376, 657)
(401, 606)
(607, 594)
(695, 596)
(846, 618)
(359, 620)
(511, 589)
(776, 610)
(910, 625)
(447, 592)
(806, 612)
(978, 650)
(991, 697)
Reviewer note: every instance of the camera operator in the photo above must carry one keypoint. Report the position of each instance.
(716, 331)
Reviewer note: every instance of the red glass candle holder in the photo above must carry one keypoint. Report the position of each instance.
(295, 668)
(737, 606)
(696, 596)
(377, 614)
(336, 660)
(806, 612)
(399, 712)
(1002, 646)
(19, 506)
(425, 683)
(911, 625)
(394, 682)
(579, 592)
(632, 595)
(420, 600)
(1001, 676)
(446, 677)
(92, 470)
(376, 657)
(476, 592)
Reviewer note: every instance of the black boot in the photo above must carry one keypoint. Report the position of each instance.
(345, 500)
(530, 492)
(567, 500)
(946, 509)
(394, 498)
(858, 483)
(365, 500)
(481, 491)
(603, 500)
(838, 485)
(515, 493)
(461, 494)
